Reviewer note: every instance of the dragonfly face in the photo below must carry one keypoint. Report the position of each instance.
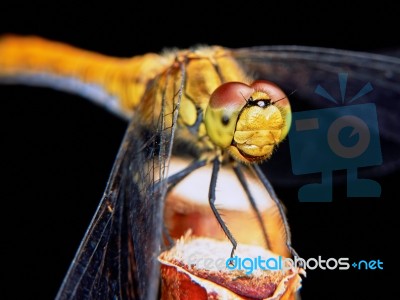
(248, 121)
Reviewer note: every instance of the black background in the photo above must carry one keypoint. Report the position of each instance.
(57, 150)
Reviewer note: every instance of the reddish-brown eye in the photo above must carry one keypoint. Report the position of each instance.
(224, 107)
(271, 89)
(231, 95)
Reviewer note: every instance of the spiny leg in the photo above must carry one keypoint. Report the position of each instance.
(168, 237)
(173, 180)
(211, 198)
(243, 182)
(278, 203)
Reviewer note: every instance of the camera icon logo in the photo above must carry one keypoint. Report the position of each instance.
(325, 140)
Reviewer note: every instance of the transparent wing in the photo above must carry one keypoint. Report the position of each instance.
(326, 78)
(117, 258)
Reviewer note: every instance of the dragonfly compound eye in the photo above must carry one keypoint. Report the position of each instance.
(249, 121)
(223, 110)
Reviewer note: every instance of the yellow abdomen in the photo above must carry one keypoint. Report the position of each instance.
(117, 83)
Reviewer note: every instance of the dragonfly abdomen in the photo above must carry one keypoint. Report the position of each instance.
(115, 83)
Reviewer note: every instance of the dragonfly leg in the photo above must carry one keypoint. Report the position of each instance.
(211, 198)
(243, 182)
(279, 204)
(173, 180)
(168, 237)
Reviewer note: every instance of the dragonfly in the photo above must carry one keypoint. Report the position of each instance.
(220, 106)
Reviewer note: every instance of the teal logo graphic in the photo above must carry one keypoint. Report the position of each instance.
(339, 138)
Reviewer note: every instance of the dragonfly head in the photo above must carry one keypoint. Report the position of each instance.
(248, 120)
